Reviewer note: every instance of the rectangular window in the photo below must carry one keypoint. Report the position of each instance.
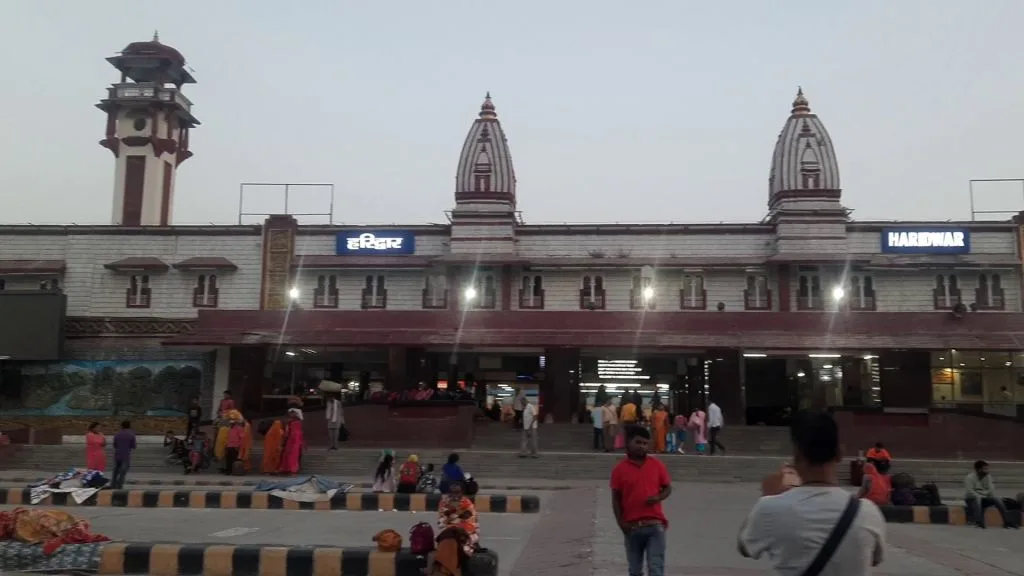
(592, 293)
(862, 293)
(375, 296)
(946, 294)
(435, 292)
(641, 295)
(970, 378)
(757, 296)
(205, 293)
(989, 293)
(138, 294)
(325, 295)
(692, 295)
(531, 295)
(808, 296)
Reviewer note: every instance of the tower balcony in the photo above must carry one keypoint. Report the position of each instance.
(146, 92)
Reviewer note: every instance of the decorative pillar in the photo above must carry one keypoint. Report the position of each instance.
(278, 253)
(724, 385)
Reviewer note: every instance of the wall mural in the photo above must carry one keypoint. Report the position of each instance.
(106, 388)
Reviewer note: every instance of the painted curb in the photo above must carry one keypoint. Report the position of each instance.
(119, 558)
(234, 500)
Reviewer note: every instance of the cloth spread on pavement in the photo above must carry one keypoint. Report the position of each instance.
(51, 529)
(307, 489)
(81, 484)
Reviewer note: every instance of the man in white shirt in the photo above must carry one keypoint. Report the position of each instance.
(530, 421)
(335, 417)
(609, 424)
(597, 417)
(714, 427)
(794, 529)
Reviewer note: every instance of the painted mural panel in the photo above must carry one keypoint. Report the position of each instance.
(106, 388)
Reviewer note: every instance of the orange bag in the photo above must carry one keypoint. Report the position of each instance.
(388, 541)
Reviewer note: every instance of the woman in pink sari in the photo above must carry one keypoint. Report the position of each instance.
(698, 425)
(294, 443)
(95, 442)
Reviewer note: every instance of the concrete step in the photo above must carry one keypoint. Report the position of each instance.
(360, 463)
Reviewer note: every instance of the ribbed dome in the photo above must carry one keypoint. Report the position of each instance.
(155, 49)
(485, 166)
(804, 158)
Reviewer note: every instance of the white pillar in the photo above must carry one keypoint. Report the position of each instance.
(221, 374)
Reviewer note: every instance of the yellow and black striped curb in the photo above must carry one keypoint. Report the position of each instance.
(233, 500)
(218, 560)
(950, 515)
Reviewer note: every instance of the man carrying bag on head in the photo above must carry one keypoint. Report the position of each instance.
(816, 528)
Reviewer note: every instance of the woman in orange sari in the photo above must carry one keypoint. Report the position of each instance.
(659, 425)
(272, 448)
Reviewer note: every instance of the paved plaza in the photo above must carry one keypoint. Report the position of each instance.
(574, 535)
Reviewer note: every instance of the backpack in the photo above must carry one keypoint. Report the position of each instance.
(421, 539)
(409, 473)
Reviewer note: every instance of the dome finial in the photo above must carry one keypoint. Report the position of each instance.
(487, 108)
(800, 104)
(156, 36)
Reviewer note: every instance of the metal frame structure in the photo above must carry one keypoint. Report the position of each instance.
(288, 188)
(975, 212)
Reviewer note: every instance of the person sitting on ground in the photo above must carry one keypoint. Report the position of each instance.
(384, 476)
(428, 481)
(879, 455)
(875, 486)
(981, 493)
(451, 472)
(456, 511)
(792, 528)
(409, 475)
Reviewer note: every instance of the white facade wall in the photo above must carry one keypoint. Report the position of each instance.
(96, 291)
(653, 246)
(93, 290)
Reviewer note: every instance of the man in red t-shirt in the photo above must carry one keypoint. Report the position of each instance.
(639, 485)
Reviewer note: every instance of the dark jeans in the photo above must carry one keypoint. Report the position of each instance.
(230, 457)
(649, 540)
(713, 439)
(120, 473)
(976, 509)
(598, 439)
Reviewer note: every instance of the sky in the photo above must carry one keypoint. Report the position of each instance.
(654, 111)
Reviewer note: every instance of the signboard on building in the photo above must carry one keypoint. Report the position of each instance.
(907, 240)
(376, 243)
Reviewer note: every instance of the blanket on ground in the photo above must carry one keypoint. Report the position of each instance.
(308, 489)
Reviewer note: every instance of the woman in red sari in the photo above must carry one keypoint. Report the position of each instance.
(294, 443)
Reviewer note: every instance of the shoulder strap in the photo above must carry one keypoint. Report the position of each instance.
(835, 538)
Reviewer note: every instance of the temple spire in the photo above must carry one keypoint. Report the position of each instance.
(156, 36)
(800, 103)
(487, 108)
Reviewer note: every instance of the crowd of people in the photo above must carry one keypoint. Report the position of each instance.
(669, 433)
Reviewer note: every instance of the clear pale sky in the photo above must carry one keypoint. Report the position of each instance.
(661, 110)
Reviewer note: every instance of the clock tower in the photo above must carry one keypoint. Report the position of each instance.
(148, 125)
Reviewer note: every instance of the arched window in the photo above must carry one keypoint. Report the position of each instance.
(325, 295)
(204, 294)
(375, 296)
(642, 296)
(692, 295)
(946, 294)
(138, 294)
(989, 293)
(592, 293)
(531, 295)
(757, 296)
(862, 292)
(435, 292)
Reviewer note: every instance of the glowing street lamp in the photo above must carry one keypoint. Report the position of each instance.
(470, 293)
(648, 292)
(293, 293)
(838, 293)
